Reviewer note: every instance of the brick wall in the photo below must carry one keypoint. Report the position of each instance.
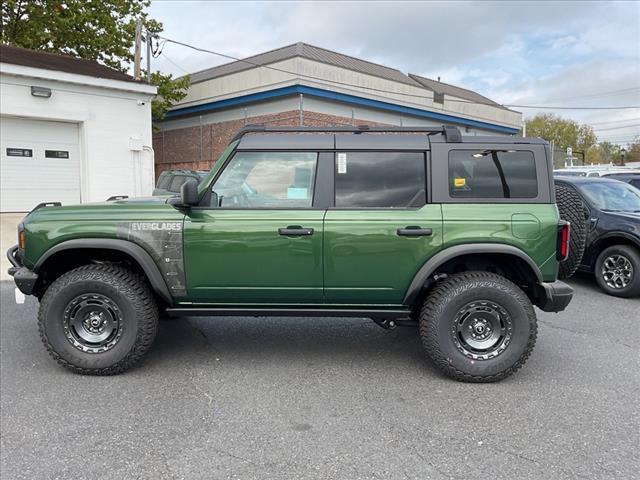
(199, 147)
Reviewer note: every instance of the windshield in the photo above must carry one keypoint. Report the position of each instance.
(612, 196)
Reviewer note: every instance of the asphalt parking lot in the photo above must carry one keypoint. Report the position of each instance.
(331, 398)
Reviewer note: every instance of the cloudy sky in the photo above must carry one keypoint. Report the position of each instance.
(579, 54)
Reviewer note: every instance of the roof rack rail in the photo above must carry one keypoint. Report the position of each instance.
(451, 133)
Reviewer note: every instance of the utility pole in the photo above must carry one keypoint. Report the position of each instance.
(148, 40)
(136, 56)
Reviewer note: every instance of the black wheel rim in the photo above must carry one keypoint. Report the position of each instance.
(482, 330)
(617, 271)
(92, 323)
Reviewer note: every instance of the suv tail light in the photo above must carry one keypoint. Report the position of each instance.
(562, 250)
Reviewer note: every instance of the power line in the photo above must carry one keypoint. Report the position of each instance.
(615, 139)
(617, 128)
(602, 94)
(270, 67)
(174, 63)
(614, 121)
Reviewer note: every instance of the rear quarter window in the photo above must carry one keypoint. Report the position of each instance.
(492, 174)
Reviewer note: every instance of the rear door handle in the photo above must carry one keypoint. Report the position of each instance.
(295, 231)
(415, 232)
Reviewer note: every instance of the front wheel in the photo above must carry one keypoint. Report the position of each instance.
(98, 319)
(478, 327)
(617, 271)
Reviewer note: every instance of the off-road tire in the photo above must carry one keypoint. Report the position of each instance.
(571, 209)
(134, 300)
(632, 255)
(438, 324)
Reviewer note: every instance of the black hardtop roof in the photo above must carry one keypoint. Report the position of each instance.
(259, 137)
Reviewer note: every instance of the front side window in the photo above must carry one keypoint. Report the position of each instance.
(267, 180)
(492, 174)
(380, 180)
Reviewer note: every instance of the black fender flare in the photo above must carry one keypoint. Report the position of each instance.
(596, 245)
(135, 251)
(617, 234)
(449, 253)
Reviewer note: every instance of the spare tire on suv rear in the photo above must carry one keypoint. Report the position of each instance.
(571, 209)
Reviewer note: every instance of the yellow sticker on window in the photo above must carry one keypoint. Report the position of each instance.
(459, 182)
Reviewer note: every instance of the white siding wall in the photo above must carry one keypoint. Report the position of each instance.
(368, 86)
(108, 117)
(310, 104)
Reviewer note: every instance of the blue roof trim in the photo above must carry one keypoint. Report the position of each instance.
(340, 97)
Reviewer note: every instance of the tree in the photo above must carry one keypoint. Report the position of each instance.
(610, 152)
(633, 152)
(562, 132)
(170, 91)
(100, 30)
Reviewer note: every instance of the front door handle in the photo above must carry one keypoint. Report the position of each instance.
(295, 231)
(412, 231)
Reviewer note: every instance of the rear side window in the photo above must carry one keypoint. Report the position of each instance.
(380, 179)
(163, 181)
(492, 174)
(176, 183)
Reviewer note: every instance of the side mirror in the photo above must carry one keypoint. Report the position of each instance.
(188, 195)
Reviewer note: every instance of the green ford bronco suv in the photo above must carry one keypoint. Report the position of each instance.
(457, 236)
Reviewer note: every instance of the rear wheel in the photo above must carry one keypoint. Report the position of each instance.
(98, 319)
(478, 327)
(571, 209)
(617, 271)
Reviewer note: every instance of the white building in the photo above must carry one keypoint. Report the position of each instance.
(71, 131)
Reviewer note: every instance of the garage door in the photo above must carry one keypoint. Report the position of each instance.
(39, 162)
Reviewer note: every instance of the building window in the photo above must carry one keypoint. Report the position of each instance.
(438, 97)
(19, 152)
(267, 180)
(380, 180)
(492, 174)
(56, 154)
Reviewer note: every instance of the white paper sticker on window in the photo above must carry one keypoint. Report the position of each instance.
(342, 163)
